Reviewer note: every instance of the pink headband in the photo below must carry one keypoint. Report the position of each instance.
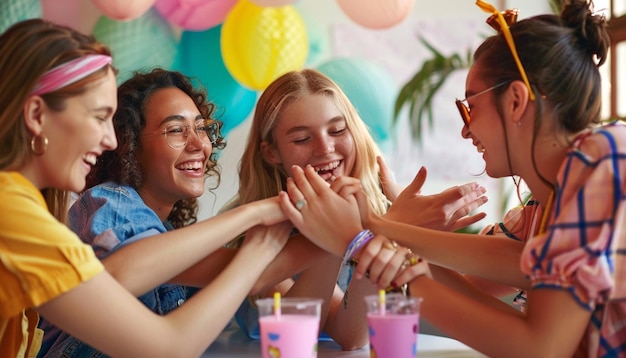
(69, 73)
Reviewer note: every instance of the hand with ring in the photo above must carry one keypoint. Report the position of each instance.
(300, 204)
(391, 245)
(387, 264)
(314, 209)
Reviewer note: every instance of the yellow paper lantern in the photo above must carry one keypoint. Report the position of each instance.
(261, 43)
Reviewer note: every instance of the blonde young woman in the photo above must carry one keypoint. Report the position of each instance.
(532, 109)
(303, 118)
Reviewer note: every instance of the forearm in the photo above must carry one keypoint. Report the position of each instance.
(298, 255)
(505, 333)
(493, 258)
(347, 320)
(184, 332)
(151, 261)
(211, 308)
(318, 281)
(462, 284)
(205, 271)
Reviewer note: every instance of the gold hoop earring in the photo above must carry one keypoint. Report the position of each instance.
(39, 144)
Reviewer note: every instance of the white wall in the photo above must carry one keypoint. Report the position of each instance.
(451, 25)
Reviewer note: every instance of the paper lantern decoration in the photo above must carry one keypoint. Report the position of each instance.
(15, 11)
(195, 15)
(261, 43)
(138, 45)
(376, 14)
(123, 10)
(273, 3)
(369, 87)
(199, 57)
(64, 12)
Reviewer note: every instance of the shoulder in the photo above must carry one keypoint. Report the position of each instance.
(108, 194)
(16, 185)
(112, 206)
(112, 190)
(595, 144)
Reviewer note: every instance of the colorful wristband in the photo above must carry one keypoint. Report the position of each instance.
(359, 240)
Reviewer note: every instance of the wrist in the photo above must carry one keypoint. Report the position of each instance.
(374, 223)
(253, 215)
(359, 240)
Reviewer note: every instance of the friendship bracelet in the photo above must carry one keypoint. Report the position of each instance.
(359, 240)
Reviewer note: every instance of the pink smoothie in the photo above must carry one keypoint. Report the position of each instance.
(289, 336)
(393, 335)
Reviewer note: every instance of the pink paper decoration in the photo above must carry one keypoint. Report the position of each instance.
(123, 10)
(376, 14)
(64, 12)
(195, 15)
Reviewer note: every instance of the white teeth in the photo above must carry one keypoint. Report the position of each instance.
(329, 166)
(190, 166)
(90, 159)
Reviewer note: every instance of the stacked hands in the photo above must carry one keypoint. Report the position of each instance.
(332, 214)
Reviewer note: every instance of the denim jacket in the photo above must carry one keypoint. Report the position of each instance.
(110, 216)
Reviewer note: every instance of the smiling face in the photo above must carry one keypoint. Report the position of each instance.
(77, 135)
(312, 130)
(485, 130)
(171, 174)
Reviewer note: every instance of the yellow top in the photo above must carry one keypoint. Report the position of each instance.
(40, 259)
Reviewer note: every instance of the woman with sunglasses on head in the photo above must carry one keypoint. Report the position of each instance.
(533, 112)
(303, 117)
(59, 97)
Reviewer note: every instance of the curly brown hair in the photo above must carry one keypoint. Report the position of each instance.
(121, 165)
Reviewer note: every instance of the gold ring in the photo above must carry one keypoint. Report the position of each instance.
(410, 259)
(391, 245)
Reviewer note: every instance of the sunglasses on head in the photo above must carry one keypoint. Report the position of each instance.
(500, 21)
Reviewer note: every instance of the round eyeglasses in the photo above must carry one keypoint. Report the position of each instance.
(177, 135)
(464, 108)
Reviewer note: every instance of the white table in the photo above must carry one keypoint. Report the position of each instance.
(232, 343)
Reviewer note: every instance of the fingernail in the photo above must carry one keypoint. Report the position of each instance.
(394, 284)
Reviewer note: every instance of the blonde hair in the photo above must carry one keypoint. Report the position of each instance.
(259, 179)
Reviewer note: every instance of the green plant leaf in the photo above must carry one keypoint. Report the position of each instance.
(420, 90)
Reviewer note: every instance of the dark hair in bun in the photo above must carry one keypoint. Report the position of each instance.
(560, 55)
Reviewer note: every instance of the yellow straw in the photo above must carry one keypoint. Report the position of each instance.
(277, 305)
(381, 302)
